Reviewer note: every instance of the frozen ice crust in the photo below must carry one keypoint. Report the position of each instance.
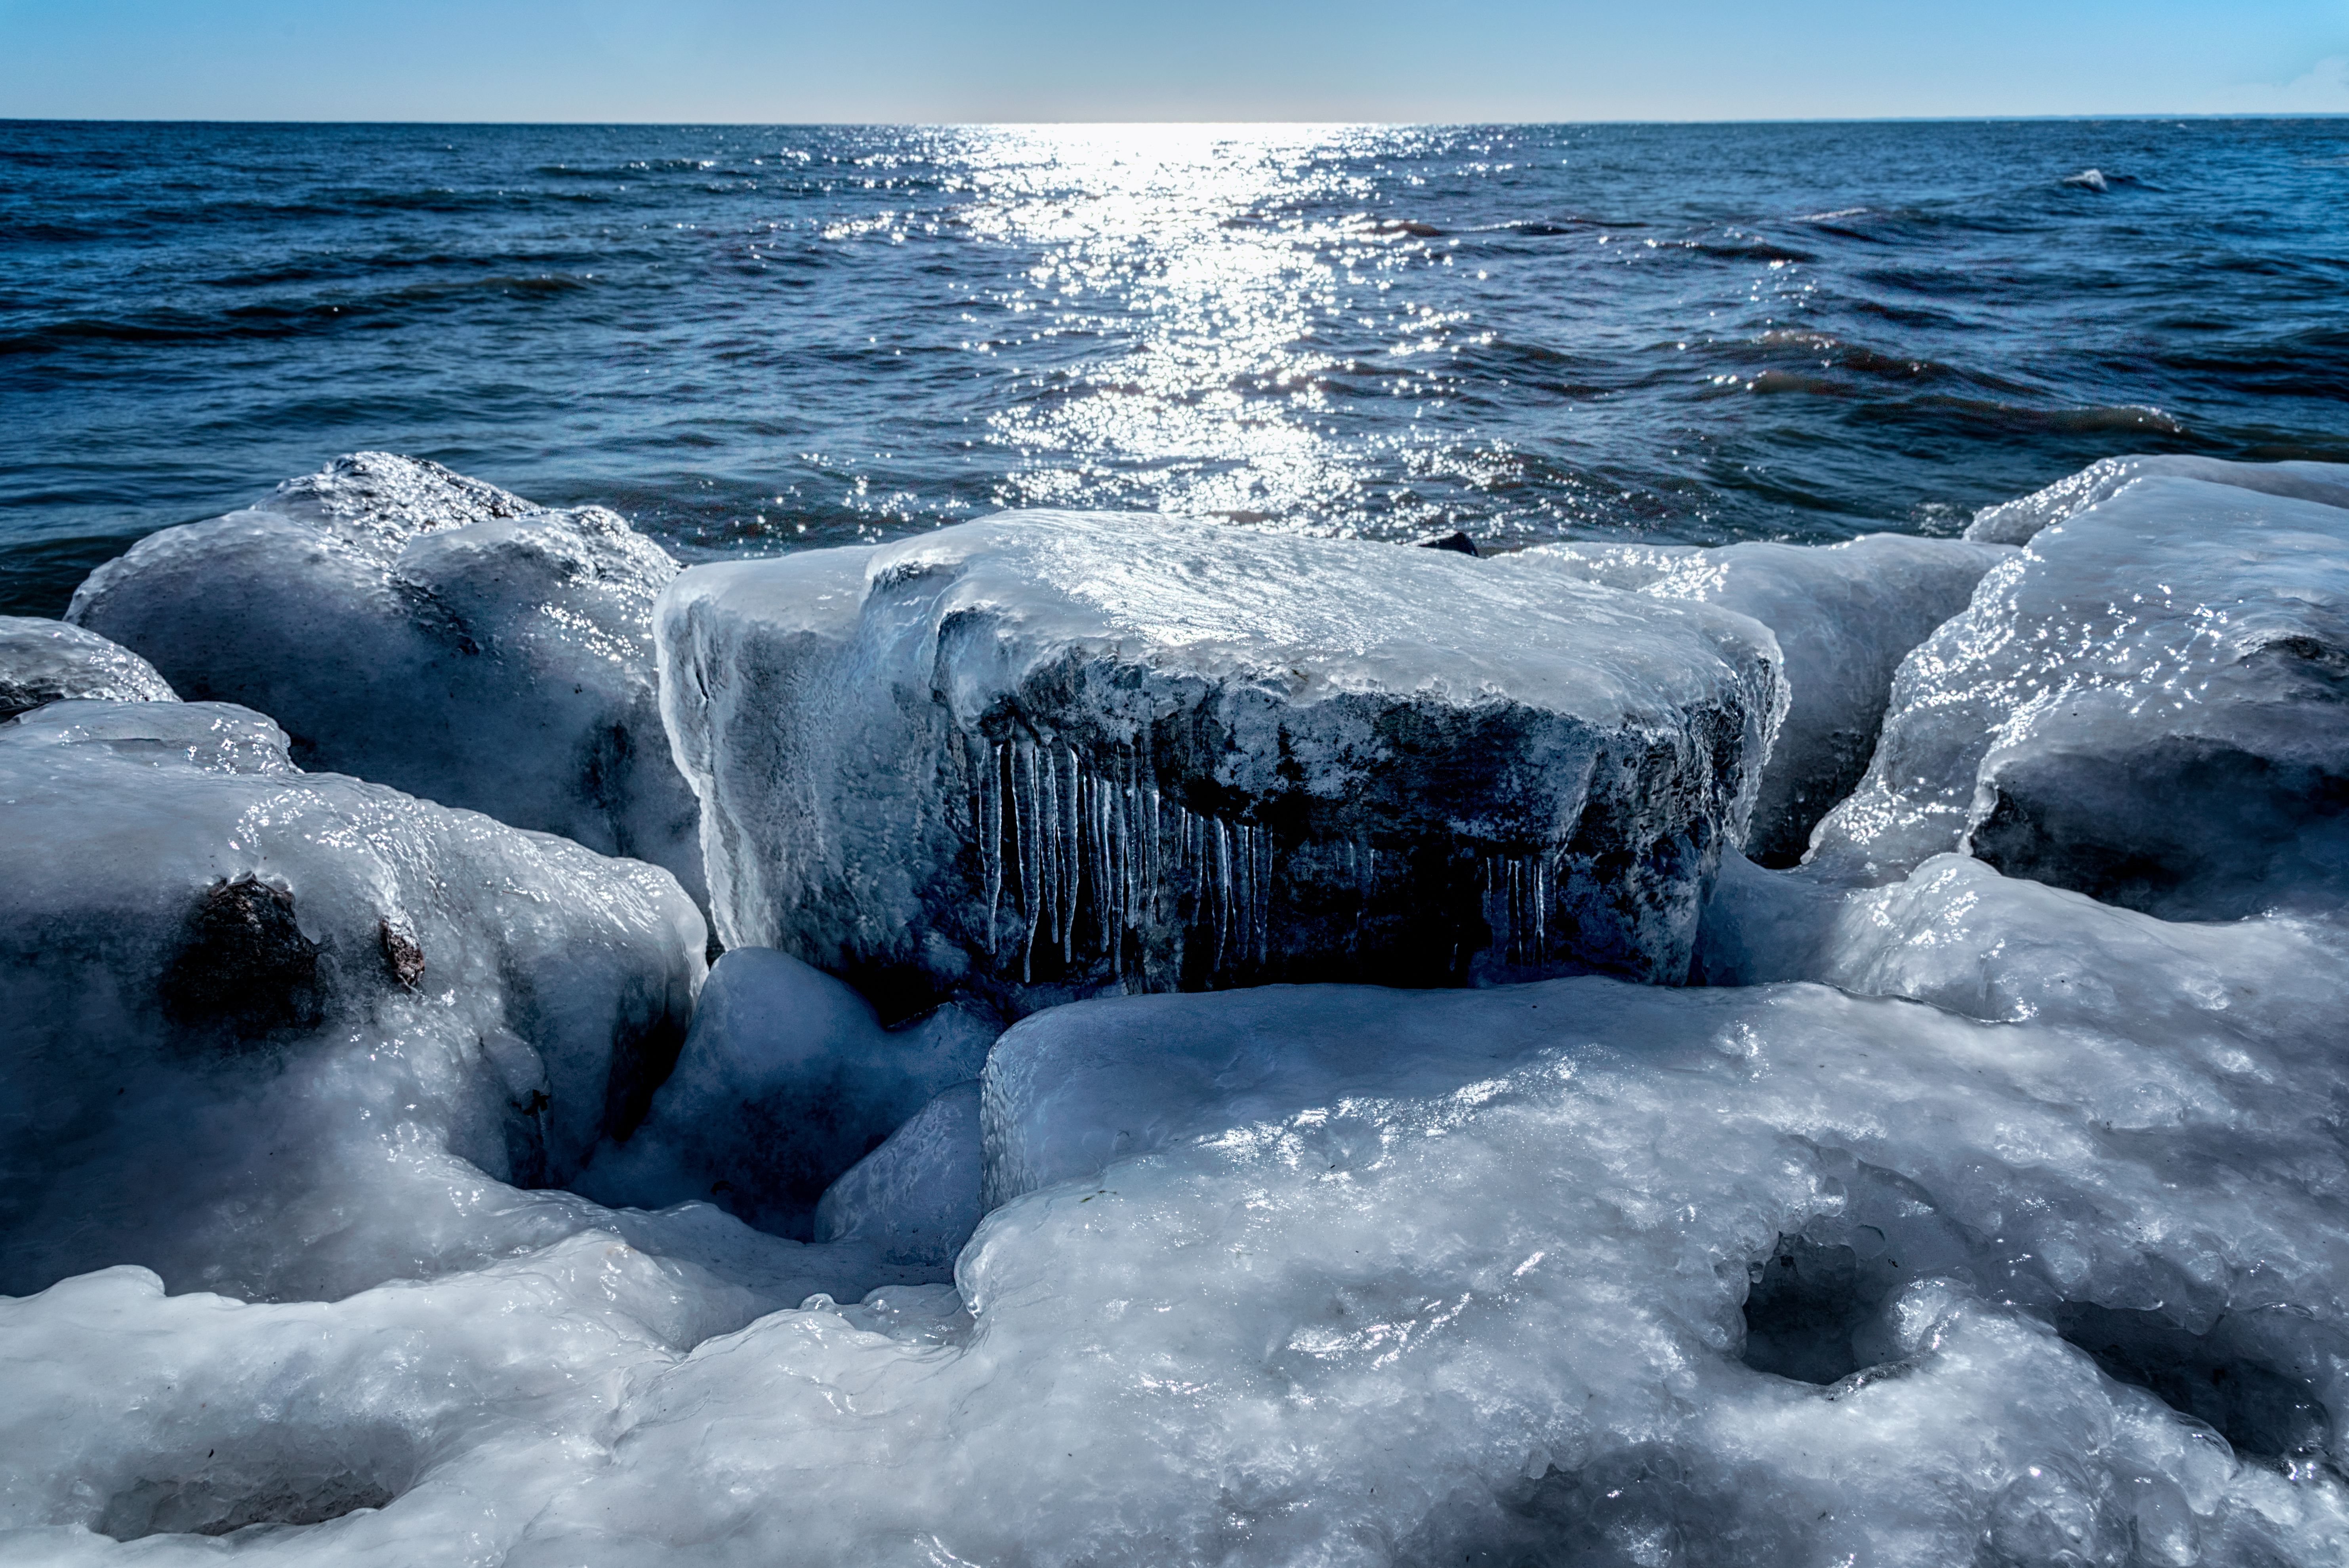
(2147, 704)
(425, 630)
(1958, 1217)
(1054, 754)
(43, 661)
(1845, 617)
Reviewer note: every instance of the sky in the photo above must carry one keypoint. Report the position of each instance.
(792, 61)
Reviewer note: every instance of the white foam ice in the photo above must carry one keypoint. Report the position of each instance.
(43, 661)
(427, 631)
(2146, 704)
(1055, 753)
(1845, 617)
(2015, 521)
(787, 1080)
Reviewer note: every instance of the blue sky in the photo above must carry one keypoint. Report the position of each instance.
(787, 60)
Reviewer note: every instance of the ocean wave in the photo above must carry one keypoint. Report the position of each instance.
(1922, 314)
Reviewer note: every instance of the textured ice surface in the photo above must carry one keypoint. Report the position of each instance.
(424, 630)
(787, 1080)
(2016, 521)
(284, 1034)
(1844, 614)
(2019, 1241)
(1621, 1275)
(1054, 753)
(916, 1197)
(2151, 704)
(42, 661)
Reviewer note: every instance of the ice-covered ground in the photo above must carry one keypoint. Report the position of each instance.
(1962, 1217)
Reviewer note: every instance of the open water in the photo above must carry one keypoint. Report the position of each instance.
(751, 339)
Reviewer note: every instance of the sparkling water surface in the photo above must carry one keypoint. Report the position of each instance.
(750, 339)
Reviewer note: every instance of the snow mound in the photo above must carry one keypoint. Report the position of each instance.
(787, 1080)
(2148, 704)
(1052, 754)
(1845, 617)
(2017, 522)
(280, 1033)
(43, 661)
(427, 630)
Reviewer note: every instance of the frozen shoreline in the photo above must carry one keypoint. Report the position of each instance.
(1983, 1203)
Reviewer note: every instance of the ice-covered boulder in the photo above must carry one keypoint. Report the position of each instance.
(427, 630)
(787, 1080)
(43, 661)
(1845, 617)
(1058, 753)
(1697, 1277)
(917, 1196)
(2151, 704)
(2017, 522)
(280, 1033)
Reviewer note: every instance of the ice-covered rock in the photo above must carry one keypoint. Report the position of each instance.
(2016, 521)
(1058, 753)
(1845, 617)
(43, 661)
(281, 1033)
(2151, 704)
(917, 1196)
(1685, 1277)
(787, 1080)
(427, 630)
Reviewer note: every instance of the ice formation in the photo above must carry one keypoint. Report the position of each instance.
(283, 1035)
(916, 1197)
(787, 1080)
(1587, 1272)
(1060, 753)
(43, 661)
(2017, 522)
(1961, 1218)
(2149, 703)
(1845, 617)
(427, 630)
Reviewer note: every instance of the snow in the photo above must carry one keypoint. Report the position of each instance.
(42, 661)
(1958, 1217)
(787, 1080)
(427, 630)
(1845, 617)
(2018, 521)
(1052, 754)
(2145, 704)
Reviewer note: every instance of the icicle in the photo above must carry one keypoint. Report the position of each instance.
(1541, 909)
(990, 834)
(1027, 842)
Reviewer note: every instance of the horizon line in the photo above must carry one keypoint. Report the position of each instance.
(1139, 124)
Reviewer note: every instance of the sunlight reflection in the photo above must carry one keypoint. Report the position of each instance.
(1238, 272)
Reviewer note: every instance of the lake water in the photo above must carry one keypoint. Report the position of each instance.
(752, 339)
